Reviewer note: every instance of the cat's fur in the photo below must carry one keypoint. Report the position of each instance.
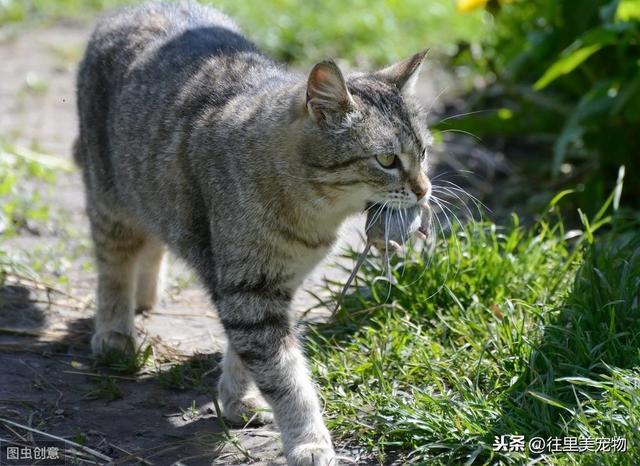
(192, 139)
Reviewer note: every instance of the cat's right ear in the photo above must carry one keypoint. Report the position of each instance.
(327, 93)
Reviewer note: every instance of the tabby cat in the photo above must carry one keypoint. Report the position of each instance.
(191, 139)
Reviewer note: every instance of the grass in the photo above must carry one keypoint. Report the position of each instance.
(104, 388)
(130, 361)
(22, 206)
(530, 333)
(190, 375)
(28, 178)
(359, 31)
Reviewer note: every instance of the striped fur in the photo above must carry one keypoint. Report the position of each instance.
(191, 139)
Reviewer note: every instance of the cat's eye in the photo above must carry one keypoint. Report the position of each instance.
(387, 160)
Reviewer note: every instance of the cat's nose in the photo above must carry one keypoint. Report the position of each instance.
(420, 193)
(421, 186)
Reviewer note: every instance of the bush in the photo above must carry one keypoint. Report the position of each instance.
(567, 74)
(366, 33)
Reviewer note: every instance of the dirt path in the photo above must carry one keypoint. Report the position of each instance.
(47, 380)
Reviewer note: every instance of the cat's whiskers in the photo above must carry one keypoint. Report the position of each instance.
(376, 216)
(477, 138)
(446, 209)
(460, 115)
(434, 233)
(438, 190)
(386, 254)
(404, 237)
(457, 188)
(435, 99)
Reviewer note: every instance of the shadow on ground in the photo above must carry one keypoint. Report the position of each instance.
(160, 416)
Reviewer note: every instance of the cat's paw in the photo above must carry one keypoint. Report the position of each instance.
(240, 412)
(312, 454)
(147, 297)
(109, 340)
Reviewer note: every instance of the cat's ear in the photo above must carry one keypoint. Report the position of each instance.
(327, 93)
(404, 74)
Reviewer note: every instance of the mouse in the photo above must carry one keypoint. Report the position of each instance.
(389, 228)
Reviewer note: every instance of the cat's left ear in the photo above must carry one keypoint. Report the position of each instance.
(404, 74)
(327, 93)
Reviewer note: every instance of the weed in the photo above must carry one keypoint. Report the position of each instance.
(190, 375)
(129, 361)
(103, 388)
(80, 437)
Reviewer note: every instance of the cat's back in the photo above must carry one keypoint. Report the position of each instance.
(155, 82)
(151, 69)
(161, 37)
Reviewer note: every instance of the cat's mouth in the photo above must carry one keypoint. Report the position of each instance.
(398, 204)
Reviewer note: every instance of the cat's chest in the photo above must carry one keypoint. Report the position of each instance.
(300, 264)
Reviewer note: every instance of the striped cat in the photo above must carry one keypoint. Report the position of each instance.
(191, 139)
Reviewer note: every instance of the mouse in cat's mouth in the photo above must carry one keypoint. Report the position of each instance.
(389, 227)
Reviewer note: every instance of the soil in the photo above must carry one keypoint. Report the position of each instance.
(48, 380)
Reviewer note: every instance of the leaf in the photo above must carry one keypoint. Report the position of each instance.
(571, 132)
(594, 103)
(628, 10)
(565, 65)
(549, 400)
(581, 381)
(580, 50)
(559, 196)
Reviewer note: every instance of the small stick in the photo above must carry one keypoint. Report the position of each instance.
(95, 374)
(131, 455)
(16, 434)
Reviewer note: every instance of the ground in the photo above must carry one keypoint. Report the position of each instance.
(164, 414)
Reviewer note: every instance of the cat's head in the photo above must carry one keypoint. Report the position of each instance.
(366, 137)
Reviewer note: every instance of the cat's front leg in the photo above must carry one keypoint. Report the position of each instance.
(258, 326)
(239, 396)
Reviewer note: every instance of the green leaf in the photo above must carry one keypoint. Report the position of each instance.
(571, 132)
(596, 102)
(550, 400)
(566, 65)
(628, 10)
(580, 50)
(559, 196)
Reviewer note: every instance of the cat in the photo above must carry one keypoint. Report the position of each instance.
(192, 140)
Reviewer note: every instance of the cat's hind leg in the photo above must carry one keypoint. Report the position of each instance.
(117, 246)
(149, 274)
(239, 396)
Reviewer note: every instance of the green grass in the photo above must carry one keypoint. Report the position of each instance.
(130, 361)
(104, 388)
(360, 31)
(190, 375)
(27, 180)
(530, 333)
(21, 206)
